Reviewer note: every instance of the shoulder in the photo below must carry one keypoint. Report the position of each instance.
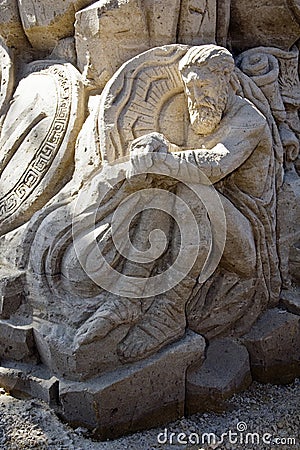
(244, 115)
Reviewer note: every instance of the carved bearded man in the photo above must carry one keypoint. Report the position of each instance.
(229, 140)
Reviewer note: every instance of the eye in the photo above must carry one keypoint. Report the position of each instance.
(204, 83)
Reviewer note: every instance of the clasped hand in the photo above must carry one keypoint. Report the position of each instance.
(149, 156)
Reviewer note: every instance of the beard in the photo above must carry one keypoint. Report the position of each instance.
(206, 114)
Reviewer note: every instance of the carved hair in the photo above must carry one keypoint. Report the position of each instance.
(218, 58)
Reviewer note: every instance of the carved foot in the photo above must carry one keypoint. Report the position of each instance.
(150, 335)
(109, 315)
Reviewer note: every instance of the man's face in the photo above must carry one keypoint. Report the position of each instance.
(207, 94)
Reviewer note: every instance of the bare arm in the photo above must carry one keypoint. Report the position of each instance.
(224, 157)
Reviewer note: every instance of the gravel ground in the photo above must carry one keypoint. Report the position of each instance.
(272, 412)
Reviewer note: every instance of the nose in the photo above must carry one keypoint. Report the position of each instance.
(198, 92)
